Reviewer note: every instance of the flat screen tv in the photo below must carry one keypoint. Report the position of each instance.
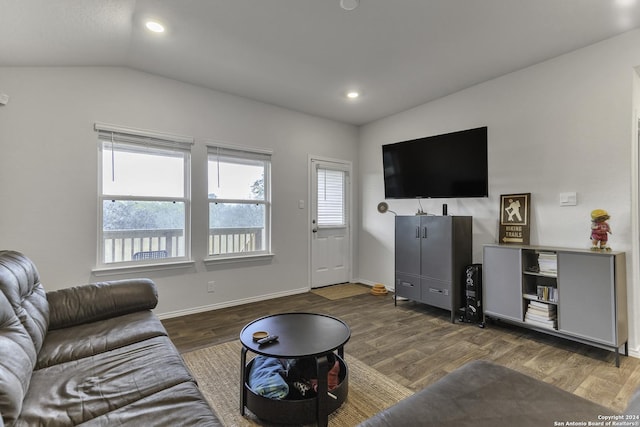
(442, 166)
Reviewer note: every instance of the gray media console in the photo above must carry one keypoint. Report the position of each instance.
(576, 294)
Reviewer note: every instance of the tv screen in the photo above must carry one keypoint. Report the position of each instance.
(442, 166)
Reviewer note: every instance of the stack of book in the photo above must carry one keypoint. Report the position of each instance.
(548, 263)
(541, 314)
(547, 293)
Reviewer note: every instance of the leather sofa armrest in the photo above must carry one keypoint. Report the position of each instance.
(99, 301)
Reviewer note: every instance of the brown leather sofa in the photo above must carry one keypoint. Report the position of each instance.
(483, 394)
(91, 355)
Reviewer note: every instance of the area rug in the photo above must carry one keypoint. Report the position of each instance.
(345, 290)
(217, 370)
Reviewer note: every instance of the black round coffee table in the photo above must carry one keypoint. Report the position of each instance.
(299, 335)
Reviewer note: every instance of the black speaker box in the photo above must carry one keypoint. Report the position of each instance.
(473, 294)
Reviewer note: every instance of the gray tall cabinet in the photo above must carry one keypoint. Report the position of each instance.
(430, 257)
(585, 298)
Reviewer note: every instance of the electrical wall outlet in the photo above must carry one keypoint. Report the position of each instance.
(211, 286)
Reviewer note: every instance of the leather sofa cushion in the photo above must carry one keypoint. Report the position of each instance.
(89, 339)
(74, 392)
(181, 405)
(483, 394)
(20, 283)
(17, 359)
(99, 301)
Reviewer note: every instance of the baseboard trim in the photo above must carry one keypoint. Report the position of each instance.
(634, 352)
(364, 282)
(370, 283)
(232, 303)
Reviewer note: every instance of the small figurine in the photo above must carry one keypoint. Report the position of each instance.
(599, 230)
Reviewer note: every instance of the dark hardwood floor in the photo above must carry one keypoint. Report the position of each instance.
(416, 345)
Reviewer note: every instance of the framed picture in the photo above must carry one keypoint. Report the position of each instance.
(515, 210)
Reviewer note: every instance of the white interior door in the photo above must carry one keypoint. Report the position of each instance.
(330, 230)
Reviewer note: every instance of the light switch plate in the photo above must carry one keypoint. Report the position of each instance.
(568, 199)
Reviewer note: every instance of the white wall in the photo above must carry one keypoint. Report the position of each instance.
(48, 179)
(562, 125)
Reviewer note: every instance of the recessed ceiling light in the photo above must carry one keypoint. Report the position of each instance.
(625, 3)
(353, 94)
(154, 26)
(349, 4)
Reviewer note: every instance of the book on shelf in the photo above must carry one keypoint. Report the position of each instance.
(549, 311)
(547, 293)
(548, 263)
(541, 314)
(551, 324)
(541, 305)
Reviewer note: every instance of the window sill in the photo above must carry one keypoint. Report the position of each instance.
(238, 258)
(126, 269)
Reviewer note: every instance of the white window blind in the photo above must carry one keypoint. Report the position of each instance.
(143, 137)
(331, 198)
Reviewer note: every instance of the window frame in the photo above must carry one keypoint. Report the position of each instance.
(149, 142)
(242, 153)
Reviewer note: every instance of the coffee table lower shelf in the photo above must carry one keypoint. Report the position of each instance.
(304, 411)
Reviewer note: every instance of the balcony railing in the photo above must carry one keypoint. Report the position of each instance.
(128, 245)
(235, 240)
(131, 245)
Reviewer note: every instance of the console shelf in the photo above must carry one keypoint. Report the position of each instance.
(577, 294)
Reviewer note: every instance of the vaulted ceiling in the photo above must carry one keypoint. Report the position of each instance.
(306, 54)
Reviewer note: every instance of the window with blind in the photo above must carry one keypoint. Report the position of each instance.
(239, 201)
(144, 196)
(331, 198)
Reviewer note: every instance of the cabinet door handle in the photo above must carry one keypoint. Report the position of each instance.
(406, 284)
(417, 232)
(424, 232)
